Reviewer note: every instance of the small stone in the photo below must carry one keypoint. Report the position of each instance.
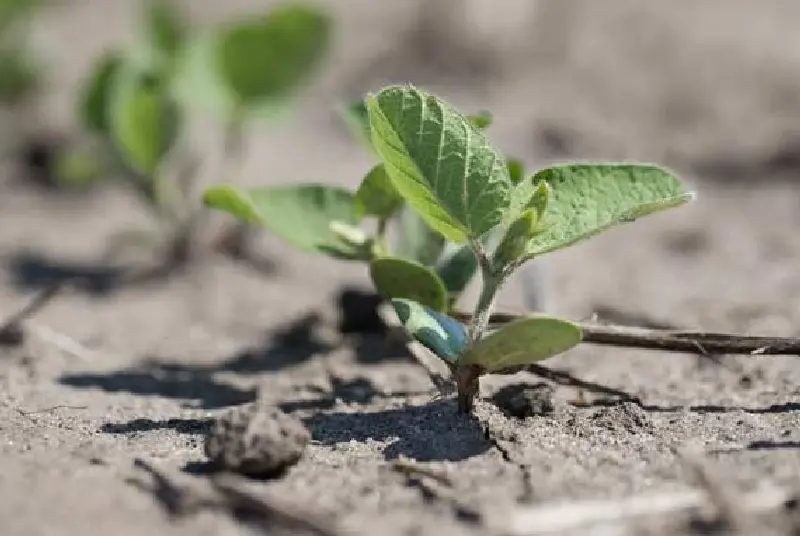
(256, 440)
(523, 400)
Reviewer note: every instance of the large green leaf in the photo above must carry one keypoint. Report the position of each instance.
(439, 161)
(394, 277)
(145, 121)
(377, 196)
(267, 58)
(300, 215)
(586, 199)
(444, 336)
(523, 342)
(416, 240)
(96, 96)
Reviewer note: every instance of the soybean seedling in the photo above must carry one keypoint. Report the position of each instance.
(419, 263)
(441, 164)
(138, 103)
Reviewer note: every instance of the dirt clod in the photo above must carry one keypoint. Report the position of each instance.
(525, 400)
(256, 440)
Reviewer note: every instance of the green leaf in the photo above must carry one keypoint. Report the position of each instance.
(457, 270)
(96, 96)
(165, 28)
(586, 199)
(145, 121)
(377, 196)
(300, 215)
(357, 119)
(268, 57)
(416, 240)
(530, 193)
(439, 162)
(516, 170)
(481, 120)
(394, 277)
(444, 336)
(514, 242)
(523, 342)
(19, 76)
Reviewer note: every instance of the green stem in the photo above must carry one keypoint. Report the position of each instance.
(468, 376)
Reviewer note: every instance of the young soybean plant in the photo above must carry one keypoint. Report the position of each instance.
(420, 265)
(440, 163)
(137, 102)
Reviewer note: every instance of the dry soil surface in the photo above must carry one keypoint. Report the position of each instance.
(708, 87)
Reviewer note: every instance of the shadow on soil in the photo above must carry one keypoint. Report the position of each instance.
(182, 426)
(435, 431)
(36, 271)
(287, 346)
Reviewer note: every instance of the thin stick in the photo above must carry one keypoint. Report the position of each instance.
(558, 518)
(11, 331)
(702, 343)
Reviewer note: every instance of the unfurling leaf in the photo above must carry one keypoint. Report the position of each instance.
(515, 241)
(394, 277)
(300, 215)
(377, 196)
(527, 194)
(266, 58)
(145, 121)
(444, 336)
(96, 98)
(523, 342)
(586, 199)
(439, 162)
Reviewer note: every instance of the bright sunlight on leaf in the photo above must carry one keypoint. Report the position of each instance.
(439, 161)
(394, 277)
(301, 215)
(586, 199)
(444, 336)
(523, 342)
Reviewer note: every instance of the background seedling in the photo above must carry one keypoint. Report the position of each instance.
(137, 104)
(438, 165)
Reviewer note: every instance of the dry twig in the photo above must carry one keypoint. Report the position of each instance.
(699, 342)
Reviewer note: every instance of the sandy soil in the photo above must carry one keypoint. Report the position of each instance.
(709, 88)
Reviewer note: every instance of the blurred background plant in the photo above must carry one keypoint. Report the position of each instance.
(136, 102)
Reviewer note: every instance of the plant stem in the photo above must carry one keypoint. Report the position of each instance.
(235, 240)
(468, 376)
